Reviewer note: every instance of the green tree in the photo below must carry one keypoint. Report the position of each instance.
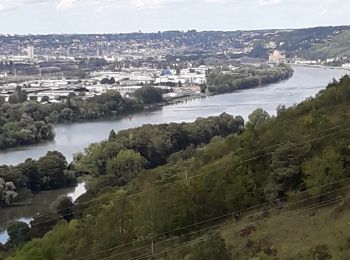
(286, 164)
(112, 136)
(63, 206)
(105, 81)
(213, 248)
(257, 118)
(7, 192)
(30, 251)
(30, 169)
(127, 164)
(45, 99)
(19, 96)
(18, 233)
(52, 169)
(324, 169)
(149, 95)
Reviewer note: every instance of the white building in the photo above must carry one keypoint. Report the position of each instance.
(30, 52)
(277, 57)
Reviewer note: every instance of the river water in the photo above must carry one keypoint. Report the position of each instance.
(73, 138)
(39, 203)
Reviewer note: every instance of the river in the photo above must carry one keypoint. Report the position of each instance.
(73, 138)
(39, 203)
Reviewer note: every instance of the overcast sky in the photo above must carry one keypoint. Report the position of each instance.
(103, 16)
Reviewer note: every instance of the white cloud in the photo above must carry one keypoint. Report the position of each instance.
(65, 4)
(269, 2)
(147, 3)
(62, 5)
(10, 4)
(217, 1)
(102, 4)
(138, 4)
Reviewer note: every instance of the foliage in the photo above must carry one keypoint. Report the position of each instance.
(155, 143)
(211, 249)
(149, 95)
(30, 122)
(49, 172)
(337, 47)
(126, 165)
(63, 206)
(18, 96)
(7, 192)
(106, 81)
(247, 77)
(304, 148)
(18, 233)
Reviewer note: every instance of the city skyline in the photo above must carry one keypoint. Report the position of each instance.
(122, 16)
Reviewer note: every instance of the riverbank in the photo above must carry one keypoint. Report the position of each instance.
(75, 137)
(39, 204)
(319, 66)
(248, 77)
(35, 119)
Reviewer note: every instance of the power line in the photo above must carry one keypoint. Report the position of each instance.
(318, 205)
(209, 220)
(217, 218)
(246, 160)
(191, 177)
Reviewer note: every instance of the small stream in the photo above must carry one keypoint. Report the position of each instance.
(39, 204)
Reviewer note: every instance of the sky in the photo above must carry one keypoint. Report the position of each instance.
(119, 16)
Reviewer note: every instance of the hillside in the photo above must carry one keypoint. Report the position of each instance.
(279, 190)
(339, 46)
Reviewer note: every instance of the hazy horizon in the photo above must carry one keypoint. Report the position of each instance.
(169, 30)
(122, 16)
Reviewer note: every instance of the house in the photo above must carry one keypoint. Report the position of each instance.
(277, 57)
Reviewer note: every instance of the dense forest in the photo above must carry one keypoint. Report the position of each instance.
(277, 190)
(24, 123)
(116, 161)
(49, 172)
(220, 81)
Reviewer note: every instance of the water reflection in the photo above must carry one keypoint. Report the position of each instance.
(73, 138)
(39, 204)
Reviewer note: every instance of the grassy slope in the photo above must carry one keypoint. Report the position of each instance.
(338, 47)
(293, 236)
(288, 235)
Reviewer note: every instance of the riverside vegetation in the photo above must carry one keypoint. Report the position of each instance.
(224, 81)
(185, 208)
(115, 161)
(49, 172)
(25, 122)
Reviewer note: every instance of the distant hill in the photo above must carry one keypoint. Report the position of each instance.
(194, 45)
(339, 46)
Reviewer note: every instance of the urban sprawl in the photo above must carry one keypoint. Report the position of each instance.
(49, 68)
